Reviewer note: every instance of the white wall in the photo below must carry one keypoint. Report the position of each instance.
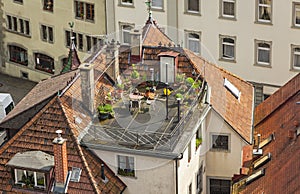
(153, 175)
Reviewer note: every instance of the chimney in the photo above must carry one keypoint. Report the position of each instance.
(112, 53)
(87, 86)
(60, 158)
(136, 46)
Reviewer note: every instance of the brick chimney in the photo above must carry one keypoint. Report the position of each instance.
(136, 46)
(87, 86)
(112, 53)
(60, 158)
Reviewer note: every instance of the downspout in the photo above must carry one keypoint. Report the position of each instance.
(176, 173)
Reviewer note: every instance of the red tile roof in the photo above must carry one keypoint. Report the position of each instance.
(153, 36)
(238, 113)
(279, 115)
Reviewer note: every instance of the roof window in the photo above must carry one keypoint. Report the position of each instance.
(232, 89)
(75, 176)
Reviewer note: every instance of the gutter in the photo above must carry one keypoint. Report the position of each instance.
(176, 173)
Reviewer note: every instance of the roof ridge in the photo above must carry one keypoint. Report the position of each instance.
(78, 147)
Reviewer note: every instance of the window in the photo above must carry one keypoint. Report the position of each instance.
(18, 25)
(199, 136)
(217, 186)
(75, 175)
(84, 11)
(189, 152)
(200, 180)
(29, 179)
(296, 14)
(48, 5)
(89, 11)
(24, 75)
(18, 55)
(88, 43)
(126, 166)
(264, 11)
(126, 2)
(227, 48)
(80, 41)
(263, 53)
(157, 4)
(220, 142)
(193, 6)
(18, 1)
(47, 33)
(125, 33)
(193, 42)
(68, 38)
(227, 9)
(79, 9)
(296, 57)
(9, 108)
(190, 188)
(44, 63)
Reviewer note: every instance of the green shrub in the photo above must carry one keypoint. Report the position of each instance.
(189, 81)
(135, 74)
(105, 108)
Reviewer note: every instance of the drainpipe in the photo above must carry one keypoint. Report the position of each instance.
(176, 173)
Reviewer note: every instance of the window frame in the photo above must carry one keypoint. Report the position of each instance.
(217, 178)
(188, 38)
(126, 4)
(50, 3)
(220, 149)
(48, 37)
(79, 10)
(293, 47)
(19, 1)
(257, 18)
(90, 11)
(225, 16)
(18, 183)
(122, 25)
(257, 62)
(157, 8)
(132, 172)
(221, 48)
(25, 63)
(18, 25)
(192, 12)
(38, 65)
(295, 5)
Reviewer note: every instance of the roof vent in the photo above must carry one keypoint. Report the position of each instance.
(104, 179)
(59, 137)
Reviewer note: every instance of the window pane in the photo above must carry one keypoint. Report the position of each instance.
(44, 32)
(126, 1)
(89, 11)
(218, 186)
(18, 55)
(27, 27)
(44, 63)
(263, 56)
(264, 10)
(228, 8)
(21, 26)
(40, 179)
(48, 5)
(157, 3)
(193, 5)
(15, 24)
(297, 57)
(68, 38)
(79, 10)
(126, 34)
(50, 32)
(9, 22)
(220, 142)
(297, 14)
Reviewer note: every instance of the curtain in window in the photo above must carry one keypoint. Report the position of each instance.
(228, 7)
(194, 42)
(264, 9)
(157, 3)
(263, 56)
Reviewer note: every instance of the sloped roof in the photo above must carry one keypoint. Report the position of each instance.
(237, 112)
(42, 91)
(38, 134)
(153, 36)
(279, 115)
(73, 61)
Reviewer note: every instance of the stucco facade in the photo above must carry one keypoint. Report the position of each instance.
(55, 19)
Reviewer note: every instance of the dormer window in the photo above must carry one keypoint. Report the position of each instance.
(32, 170)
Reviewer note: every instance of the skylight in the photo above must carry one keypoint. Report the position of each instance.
(232, 89)
(75, 176)
(255, 176)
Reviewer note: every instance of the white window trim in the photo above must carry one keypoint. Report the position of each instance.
(192, 11)
(257, 12)
(187, 33)
(225, 16)
(219, 150)
(134, 164)
(34, 176)
(293, 53)
(221, 57)
(121, 25)
(261, 48)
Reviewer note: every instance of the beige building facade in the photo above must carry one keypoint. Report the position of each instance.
(256, 40)
(37, 34)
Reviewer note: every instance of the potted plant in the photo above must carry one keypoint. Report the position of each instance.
(105, 111)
